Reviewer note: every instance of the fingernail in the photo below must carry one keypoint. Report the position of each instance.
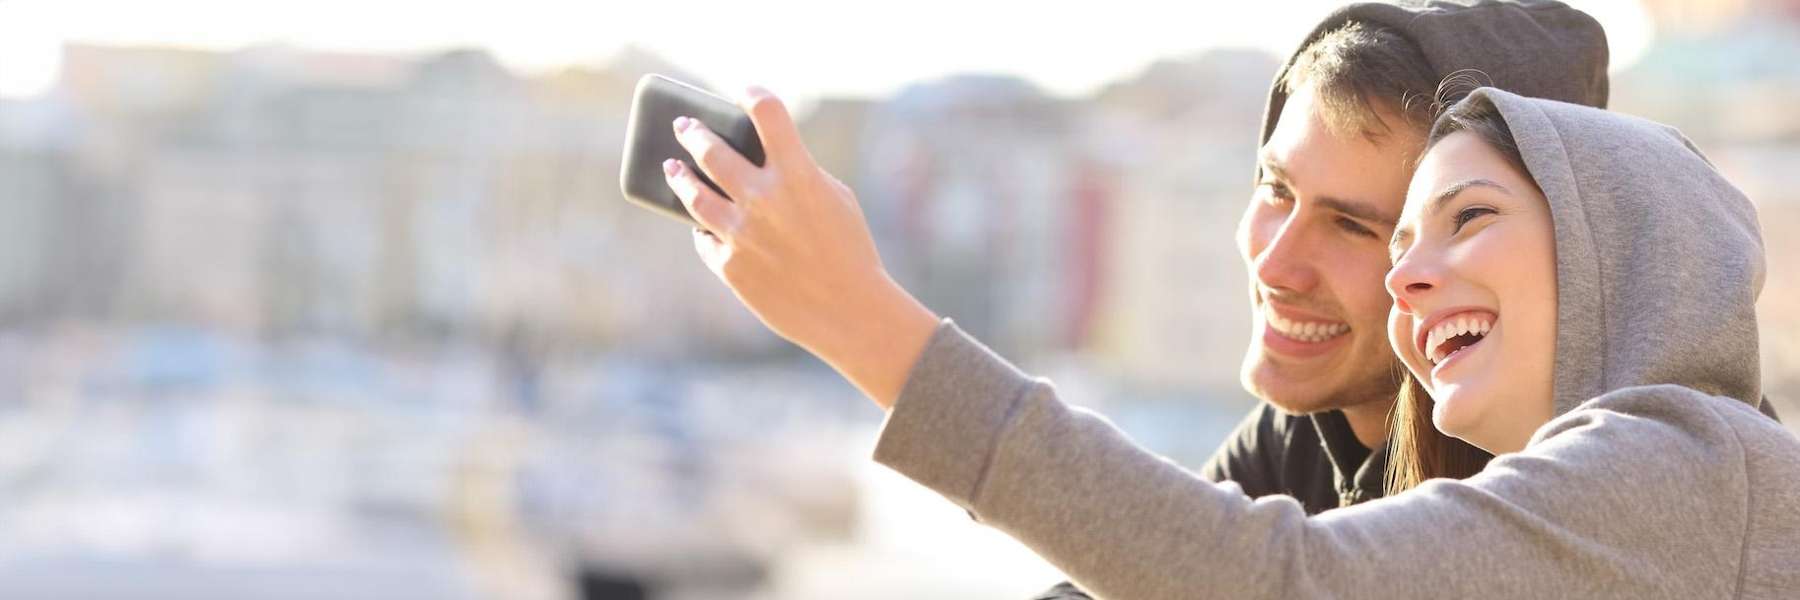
(671, 167)
(682, 124)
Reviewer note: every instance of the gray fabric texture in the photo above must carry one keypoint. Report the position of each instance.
(1539, 48)
(1657, 479)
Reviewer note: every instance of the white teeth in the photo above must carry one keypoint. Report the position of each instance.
(1474, 323)
(1305, 332)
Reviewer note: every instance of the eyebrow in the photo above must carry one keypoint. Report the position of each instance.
(1353, 208)
(1402, 235)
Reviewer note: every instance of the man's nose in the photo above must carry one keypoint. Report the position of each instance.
(1285, 261)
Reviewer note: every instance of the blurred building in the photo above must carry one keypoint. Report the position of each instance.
(1178, 141)
(981, 198)
(37, 191)
(279, 191)
(1680, 18)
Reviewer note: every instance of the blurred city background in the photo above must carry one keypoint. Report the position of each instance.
(281, 319)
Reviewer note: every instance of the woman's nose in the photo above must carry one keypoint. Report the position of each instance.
(1409, 281)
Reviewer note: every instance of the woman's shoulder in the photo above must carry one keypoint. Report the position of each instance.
(1676, 425)
(1732, 455)
(1668, 467)
(1683, 407)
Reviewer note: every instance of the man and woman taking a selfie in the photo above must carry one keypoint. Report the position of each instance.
(1506, 342)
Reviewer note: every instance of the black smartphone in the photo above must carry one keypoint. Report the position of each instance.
(650, 140)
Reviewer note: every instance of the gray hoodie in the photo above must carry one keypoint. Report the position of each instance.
(1657, 479)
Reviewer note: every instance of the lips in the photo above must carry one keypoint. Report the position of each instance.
(1453, 331)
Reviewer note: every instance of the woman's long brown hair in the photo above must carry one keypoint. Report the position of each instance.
(1417, 451)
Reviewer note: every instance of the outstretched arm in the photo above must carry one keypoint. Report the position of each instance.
(1250, 457)
(1584, 512)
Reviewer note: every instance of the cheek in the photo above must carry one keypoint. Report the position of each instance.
(1542, 279)
(1360, 278)
(1497, 261)
(1522, 262)
(1518, 266)
(1533, 289)
(1400, 339)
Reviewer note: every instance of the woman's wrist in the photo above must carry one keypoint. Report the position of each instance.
(879, 337)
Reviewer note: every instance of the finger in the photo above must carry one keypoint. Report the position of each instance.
(717, 158)
(712, 251)
(711, 210)
(774, 126)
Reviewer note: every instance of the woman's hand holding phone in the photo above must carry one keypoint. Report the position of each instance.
(792, 243)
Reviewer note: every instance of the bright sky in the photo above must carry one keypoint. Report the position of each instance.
(801, 49)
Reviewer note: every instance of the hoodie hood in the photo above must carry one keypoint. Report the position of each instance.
(1538, 48)
(1659, 259)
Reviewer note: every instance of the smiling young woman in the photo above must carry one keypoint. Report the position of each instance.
(1417, 450)
(1474, 277)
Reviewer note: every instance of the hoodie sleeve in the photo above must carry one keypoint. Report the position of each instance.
(1124, 523)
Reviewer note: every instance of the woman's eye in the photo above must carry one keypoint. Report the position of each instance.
(1469, 214)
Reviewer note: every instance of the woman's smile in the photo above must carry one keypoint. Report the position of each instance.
(1452, 334)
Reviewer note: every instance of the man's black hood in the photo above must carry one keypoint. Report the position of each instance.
(1535, 48)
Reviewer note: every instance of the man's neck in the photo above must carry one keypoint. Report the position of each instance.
(1369, 421)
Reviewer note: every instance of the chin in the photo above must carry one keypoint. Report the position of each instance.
(1455, 416)
(1298, 392)
(1262, 378)
(1297, 403)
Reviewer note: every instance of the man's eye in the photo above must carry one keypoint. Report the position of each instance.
(1353, 227)
(1469, 214)
(1278, 193)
